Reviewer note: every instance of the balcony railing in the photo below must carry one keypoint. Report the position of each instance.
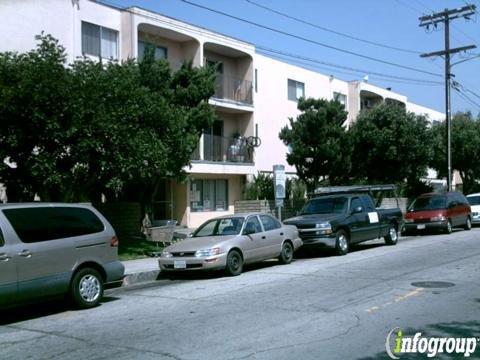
(223, 149)
(230, 88)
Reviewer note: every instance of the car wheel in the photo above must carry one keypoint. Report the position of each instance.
(448, 229)
(234, 263)
(286, 256)
(392, 237)
(468, 223)
(341, 244)
(86, 289)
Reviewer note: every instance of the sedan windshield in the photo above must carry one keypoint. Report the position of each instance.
(473, 200)
(220, 227)
(429, 203)
(325, 206)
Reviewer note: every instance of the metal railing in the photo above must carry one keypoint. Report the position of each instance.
(230, 88)
(223, 149)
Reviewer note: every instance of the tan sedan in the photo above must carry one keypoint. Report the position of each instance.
(229, 242)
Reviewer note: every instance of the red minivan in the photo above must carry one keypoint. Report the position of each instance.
(438, 211)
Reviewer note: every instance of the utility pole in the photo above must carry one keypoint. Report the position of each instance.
(432, 20)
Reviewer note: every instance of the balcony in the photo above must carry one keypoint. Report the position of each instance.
(230, 88)
(222, 149)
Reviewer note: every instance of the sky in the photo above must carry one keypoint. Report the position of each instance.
(393, 24)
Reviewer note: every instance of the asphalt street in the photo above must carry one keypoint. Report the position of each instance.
(319, 307)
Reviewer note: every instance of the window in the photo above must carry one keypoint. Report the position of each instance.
(220, 227)
(296, 90)
(217, 65)
(256, 80)
(49, 223)
(356, 203)
(368, 202)
(253, 223)
(2, 241)
(160, 51)
(333, 205)
(269, 223)
(209, 195)
(474, 200)
(99, 41)
(341, 98)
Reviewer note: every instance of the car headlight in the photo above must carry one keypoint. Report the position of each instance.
(408, 220)
(207, 252)
(166, 254)
(438, 218)
(324, 228)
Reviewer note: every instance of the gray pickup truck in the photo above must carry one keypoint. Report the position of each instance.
(339, 220)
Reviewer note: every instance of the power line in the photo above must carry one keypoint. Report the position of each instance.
(356, 70)
(310, 40)
(336, 71)
(332, 31)
(466, 98)
(457, 84)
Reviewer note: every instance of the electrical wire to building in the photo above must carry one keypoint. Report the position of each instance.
(351, 69)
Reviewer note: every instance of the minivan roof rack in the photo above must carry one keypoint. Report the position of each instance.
(330, 190)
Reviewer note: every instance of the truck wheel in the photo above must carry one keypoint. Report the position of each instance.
(341, 244)
(468, 223)
(392, 237)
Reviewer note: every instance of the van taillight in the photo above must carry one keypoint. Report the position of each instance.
(114, 241)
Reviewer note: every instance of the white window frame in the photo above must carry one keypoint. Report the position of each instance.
(100, 55)
(299, 89)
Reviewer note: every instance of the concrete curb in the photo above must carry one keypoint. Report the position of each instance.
(139, 277)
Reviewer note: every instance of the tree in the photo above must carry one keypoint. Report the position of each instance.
(76, 132)
(390, 145)
(319, 145)
(35, 115)
(465, 142)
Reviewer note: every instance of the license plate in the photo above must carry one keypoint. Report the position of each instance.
(421, 227)
(179, 264)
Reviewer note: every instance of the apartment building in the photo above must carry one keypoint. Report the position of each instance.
(255, 94)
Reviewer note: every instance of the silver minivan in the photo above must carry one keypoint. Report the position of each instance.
(50, 250)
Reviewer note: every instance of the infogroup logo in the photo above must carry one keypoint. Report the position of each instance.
(398, 343)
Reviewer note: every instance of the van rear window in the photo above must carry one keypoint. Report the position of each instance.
(37, 224)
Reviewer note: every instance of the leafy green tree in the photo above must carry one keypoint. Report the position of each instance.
(390, 145)
(76, 132)
(35, 115)
(319, 145)
(465, 142)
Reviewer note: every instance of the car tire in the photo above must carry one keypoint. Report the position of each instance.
(341, 243)
(448, 228)
(392, 236)
(286, 256)
(86, 289)
(234, 263)
(468, 224)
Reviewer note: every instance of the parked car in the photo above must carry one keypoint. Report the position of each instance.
(438, 211)
(49, 250)
(339, 220)
(229, 242)
(474, 201)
